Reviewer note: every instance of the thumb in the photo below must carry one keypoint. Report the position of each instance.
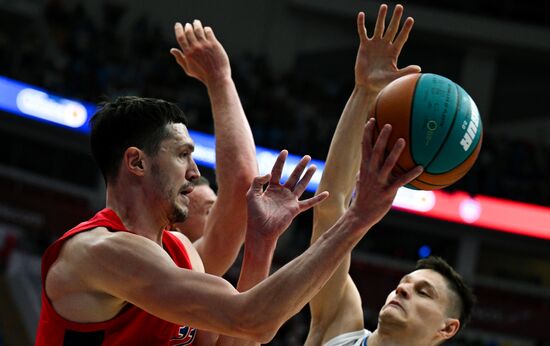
(180, 58)
(258, 184)
(410, 70)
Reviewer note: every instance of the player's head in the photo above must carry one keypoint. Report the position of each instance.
(201, 200)
(430, 304)
(146, 140)
(130, 121)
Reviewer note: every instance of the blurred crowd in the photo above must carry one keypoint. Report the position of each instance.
(70, 54)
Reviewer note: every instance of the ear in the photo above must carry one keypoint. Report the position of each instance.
(132, 161)
(451, 327)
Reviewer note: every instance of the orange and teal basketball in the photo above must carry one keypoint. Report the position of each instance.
(440, 123)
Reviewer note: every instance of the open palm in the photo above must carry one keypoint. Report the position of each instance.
(271, 211)
(376, 63)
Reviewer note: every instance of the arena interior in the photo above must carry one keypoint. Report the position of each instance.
(292, 61)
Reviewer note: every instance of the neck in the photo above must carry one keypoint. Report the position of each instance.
(378, 338)
(394, 337)
(135, 213)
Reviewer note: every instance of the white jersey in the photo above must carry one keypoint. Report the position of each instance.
(358, 338)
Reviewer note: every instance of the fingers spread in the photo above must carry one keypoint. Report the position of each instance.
(393, 27)
(361, 28)
(277, 169)
(302, 184)
(403, 35)
(297, 172)
(313, 201)
(380, 22)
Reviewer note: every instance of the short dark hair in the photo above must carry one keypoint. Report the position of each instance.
(456, 284)
(130, 121)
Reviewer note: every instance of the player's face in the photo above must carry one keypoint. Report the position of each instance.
(172, 171)
(419, 304)
(200, 202)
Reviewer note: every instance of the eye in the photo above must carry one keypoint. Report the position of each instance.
(185, 154)
(424, 293)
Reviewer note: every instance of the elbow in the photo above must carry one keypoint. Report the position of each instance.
(263, 334)
(258, 326)
(239, 182)
(245, 177)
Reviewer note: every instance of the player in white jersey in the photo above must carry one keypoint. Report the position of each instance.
(431, 304)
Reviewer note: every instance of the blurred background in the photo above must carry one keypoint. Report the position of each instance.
(293, 61)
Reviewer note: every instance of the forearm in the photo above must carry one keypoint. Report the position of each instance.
(338, 179)
(235, 168)
(285, 292)
(343, 159)
(235, 150)
(257, 259)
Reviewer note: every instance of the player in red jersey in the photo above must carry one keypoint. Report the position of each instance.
(98, 279)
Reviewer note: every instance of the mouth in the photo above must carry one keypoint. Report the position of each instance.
(395, 303)
(184, 192)
(187, 190)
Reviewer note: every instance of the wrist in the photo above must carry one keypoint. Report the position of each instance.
(219, 82)
(358, 219)
(258, 246)
(368, 89)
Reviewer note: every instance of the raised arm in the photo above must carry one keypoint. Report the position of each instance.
(261, 241)
(337, 308)
(147, 277)
(203, 57)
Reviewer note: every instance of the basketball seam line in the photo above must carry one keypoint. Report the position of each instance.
(453, 123)
(411, 151)
(473, 151)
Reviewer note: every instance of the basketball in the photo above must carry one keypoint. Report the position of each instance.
(439, 122)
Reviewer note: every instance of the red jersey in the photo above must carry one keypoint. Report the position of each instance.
(132, 325)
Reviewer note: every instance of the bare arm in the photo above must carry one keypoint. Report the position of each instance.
(337, 308)
(147, 277)
(261, 241)
(203, 57)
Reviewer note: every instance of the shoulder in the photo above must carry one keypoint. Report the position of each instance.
(183, 238)
(78, 260)
(93, 253)
(101, 241)
(194, 256)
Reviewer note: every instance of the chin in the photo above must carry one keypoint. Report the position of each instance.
(179, 215)
(390, 317)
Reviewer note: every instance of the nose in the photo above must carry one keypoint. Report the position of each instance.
(193, 172)
(403, 290)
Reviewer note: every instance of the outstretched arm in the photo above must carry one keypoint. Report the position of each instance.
(203, 57)
(261, 241)
(148, 278)
(337, 308)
